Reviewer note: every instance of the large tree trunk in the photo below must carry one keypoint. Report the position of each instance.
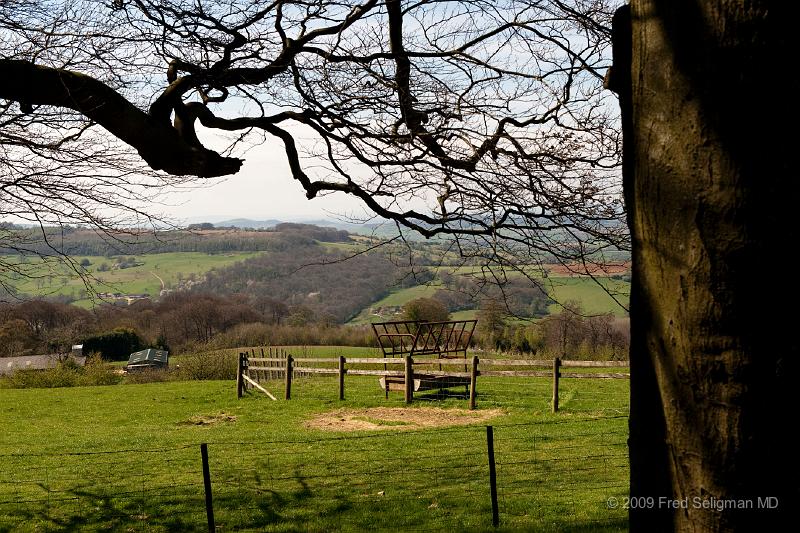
(710, 127)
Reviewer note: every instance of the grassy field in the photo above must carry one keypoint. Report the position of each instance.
(396, 298)
(403, 296)
(142, 279)
(171, 268)
(591, 296)
(469, 314)
(344, 247)
(127, 458)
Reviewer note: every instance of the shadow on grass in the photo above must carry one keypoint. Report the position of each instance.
(175, 509)
(620, 524)
(441, 395)
(254, 505)
(89, 510)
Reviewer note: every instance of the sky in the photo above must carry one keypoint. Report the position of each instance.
(263, 189)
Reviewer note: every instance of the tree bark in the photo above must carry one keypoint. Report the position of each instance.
(710, 186)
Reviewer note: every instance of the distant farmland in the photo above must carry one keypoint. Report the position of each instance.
(143, 278)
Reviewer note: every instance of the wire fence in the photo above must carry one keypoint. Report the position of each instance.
(549, 476)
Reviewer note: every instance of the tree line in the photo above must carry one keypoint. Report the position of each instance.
(191, 321)
(80, 241)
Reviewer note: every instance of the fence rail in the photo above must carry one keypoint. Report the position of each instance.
(409, 380)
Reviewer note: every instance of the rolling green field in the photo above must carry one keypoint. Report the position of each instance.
(172, 268)
(127, 458)
(396, 298)
(469, 314)
(143, 279)
(403, 296)
(344, 247)
(591, 296)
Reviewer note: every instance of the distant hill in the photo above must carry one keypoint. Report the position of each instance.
(312, 278)
(381, 230)
(85, 242)
(247, 223)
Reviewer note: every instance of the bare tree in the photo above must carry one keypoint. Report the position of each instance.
(483, 120)
(58, 168)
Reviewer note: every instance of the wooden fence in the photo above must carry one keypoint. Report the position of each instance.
(252, 371)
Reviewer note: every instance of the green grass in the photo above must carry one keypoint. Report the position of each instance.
(591, 296)
(585, 290)
(344, 247)
(403, 296)
(135, 280)
(397, 298)
(303, 351)
(469, 314)
(270, 472)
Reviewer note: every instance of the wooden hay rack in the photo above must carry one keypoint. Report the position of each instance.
(442, 340)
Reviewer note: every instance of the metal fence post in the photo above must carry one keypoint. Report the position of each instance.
(492, 476)
(288, 393)
(239, 380)
(556, 375)
(473, 380)
(341, 377)
(207, 485)
(409, 379)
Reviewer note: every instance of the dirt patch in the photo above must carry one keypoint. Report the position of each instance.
(398, 418)
(208, 420)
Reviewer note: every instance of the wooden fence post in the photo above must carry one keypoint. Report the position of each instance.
(492, 476)
(473, 379)
(207, 486)
(239, 380)
(272, 373)
(288, 394)
(409, 379)
(556, 375)
(341, 377)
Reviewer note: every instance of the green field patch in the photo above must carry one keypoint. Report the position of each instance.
(467, 314)
(126, 460)
(403, 296)
(345, 247)
(294, 351)
(593, 298)
(144, 278)
(590, 293)
(396, 299)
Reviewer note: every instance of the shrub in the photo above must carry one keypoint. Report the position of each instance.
(66, 374)
(260, 334)
(206, 366)
(60, 376)
(150, 375)
(115, 345)
(96, 372)
(425, 309)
